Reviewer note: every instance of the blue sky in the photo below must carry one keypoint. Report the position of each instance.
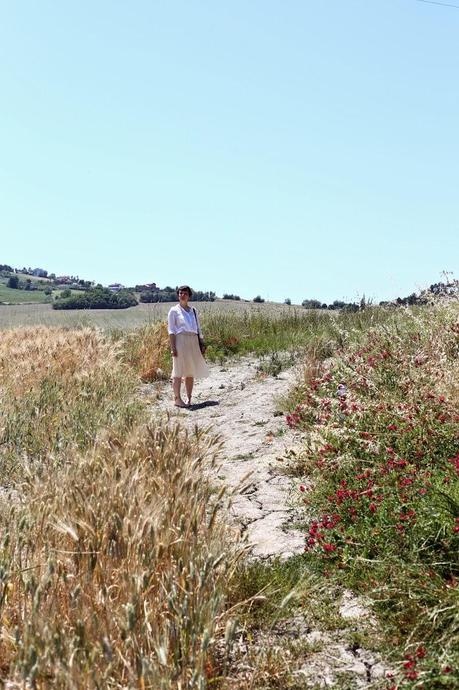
(290, 149)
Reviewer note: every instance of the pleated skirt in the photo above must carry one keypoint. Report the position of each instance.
(189, 360)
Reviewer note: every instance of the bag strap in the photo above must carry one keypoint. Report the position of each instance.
(196, 319)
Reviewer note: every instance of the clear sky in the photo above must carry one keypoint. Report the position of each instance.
(288, 148)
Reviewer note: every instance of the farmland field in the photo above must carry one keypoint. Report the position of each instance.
(119, 566)
(14, 296)
(12, 316)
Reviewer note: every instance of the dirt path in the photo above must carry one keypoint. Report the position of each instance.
(239, 404)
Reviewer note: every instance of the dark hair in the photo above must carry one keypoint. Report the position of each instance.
(187, 288)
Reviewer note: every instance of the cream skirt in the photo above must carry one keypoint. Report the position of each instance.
(189, 360)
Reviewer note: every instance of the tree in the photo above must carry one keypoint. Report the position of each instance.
(258, 299)
(13, 282)
(311, 304)
(288, 301)
(98, 298)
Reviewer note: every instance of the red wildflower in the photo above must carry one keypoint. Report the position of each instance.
(328, 547)
(411, 675)
(405, 481)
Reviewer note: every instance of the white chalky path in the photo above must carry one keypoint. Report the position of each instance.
(239, 405)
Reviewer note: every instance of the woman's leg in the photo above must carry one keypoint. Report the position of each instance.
(189, 380)
(177, 384)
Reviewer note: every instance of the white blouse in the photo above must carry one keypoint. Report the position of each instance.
(179, 320)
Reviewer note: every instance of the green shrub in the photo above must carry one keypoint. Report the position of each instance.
(98, 298)
(13, 282)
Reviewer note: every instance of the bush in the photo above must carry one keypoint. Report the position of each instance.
(230, 296)
(13, 282)
(258, 299)
(199, 296)
(150, 296)
(313, 304)
(98, 298)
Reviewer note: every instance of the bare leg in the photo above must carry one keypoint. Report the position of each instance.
(189, 380)
(177, 384)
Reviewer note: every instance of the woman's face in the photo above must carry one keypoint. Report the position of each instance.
(184, 296)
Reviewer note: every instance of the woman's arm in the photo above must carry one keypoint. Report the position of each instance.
(173, 344)
(171, 330)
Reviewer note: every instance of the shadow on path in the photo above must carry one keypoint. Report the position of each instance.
(202, 405)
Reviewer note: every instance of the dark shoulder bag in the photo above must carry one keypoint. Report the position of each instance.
(202, 345)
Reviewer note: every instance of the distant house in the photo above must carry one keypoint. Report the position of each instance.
(149, 287)
(63, 280)
(116, 287)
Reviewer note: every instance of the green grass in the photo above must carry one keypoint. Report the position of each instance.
(22, 296)
(267, 332)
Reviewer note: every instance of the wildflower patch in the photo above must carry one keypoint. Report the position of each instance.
(385, 483)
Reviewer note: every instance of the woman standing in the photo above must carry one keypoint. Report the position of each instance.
(187, 346)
